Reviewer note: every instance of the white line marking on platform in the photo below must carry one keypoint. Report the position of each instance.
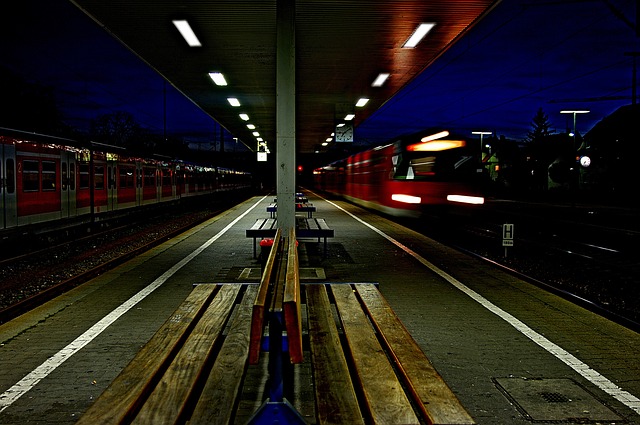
(38, 374)
(569, 359)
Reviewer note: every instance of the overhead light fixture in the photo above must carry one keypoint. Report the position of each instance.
(244, 117)
(422, 30)
(362, 101)
(340, 125)
(251, 126)
(380, 79)
(349, 117)
(328, 139)
(218, 78)
(233, 101)
(260, 139)
(256, 134)
(325, 144)
(187, 33)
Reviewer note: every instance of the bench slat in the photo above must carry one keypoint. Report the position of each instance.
(335, 397)
(216, 403)
(322, 224)
(123, 396)
(257, 318)
(167, 401)
(291, 302)
(382, 390)
(430, 392)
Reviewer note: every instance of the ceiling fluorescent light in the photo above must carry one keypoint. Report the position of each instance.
(233, 101)
(349, 117)
(244, 117)
(256, 134)
(380, 79)
(362, 101)
(187, 33)
(218, 78)
(251, 126)
(418, 35)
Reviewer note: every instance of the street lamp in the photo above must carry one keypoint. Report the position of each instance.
(481, 133)
(574, 112)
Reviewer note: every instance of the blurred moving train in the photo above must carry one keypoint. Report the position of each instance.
(45, 179)
(408, 176)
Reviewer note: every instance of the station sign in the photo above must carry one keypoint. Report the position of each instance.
(507, 234)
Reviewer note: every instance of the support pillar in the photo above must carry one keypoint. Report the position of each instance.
(286, 113)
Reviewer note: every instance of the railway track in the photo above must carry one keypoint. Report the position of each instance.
(592, 265)
(31, 279)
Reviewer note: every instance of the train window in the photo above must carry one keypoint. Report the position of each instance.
(166, 178)
(127, 179)
(30, 176)
(98, 177)
(149, 177)
(49, 176)
(65, 176)
(84, 176)
(10, 170)
(72, 176)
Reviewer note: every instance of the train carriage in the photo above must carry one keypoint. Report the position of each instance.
(407, 177)
(44, 180)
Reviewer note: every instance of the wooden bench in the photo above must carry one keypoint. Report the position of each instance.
(366, 367)
(305, 228)
(301, 207)
(389, 373)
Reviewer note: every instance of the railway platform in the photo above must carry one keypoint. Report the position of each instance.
(511, 352)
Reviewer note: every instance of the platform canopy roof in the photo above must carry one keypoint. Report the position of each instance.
(342, 46)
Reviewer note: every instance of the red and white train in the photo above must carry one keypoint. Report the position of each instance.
(44, 179)
(406, 177)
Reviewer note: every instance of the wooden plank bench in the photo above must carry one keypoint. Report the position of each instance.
(374, 389)
(301, 207)
(366, 367)
(305, 228)
(158, 384)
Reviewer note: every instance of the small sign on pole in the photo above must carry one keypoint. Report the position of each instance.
(507, 237)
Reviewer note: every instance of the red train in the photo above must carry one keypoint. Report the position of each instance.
(406, 177)
(46, 179)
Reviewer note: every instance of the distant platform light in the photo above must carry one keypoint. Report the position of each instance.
(218, 78)
(349, 117)
(244, 117)
(362, 101)
(251, 126)
(380, 79)
(476, 200)
(233, 101)
(187, 33)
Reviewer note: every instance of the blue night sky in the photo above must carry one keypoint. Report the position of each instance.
(524, 55)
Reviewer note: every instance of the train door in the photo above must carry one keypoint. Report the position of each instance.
(68, 184)
(8, 199)
(112, 191)
(139, 174)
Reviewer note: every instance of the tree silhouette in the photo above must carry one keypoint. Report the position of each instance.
(540, 127)
(119, 129)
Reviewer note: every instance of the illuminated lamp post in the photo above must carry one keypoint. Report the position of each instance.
(574, 112)
(575, 148)
(481, 133)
